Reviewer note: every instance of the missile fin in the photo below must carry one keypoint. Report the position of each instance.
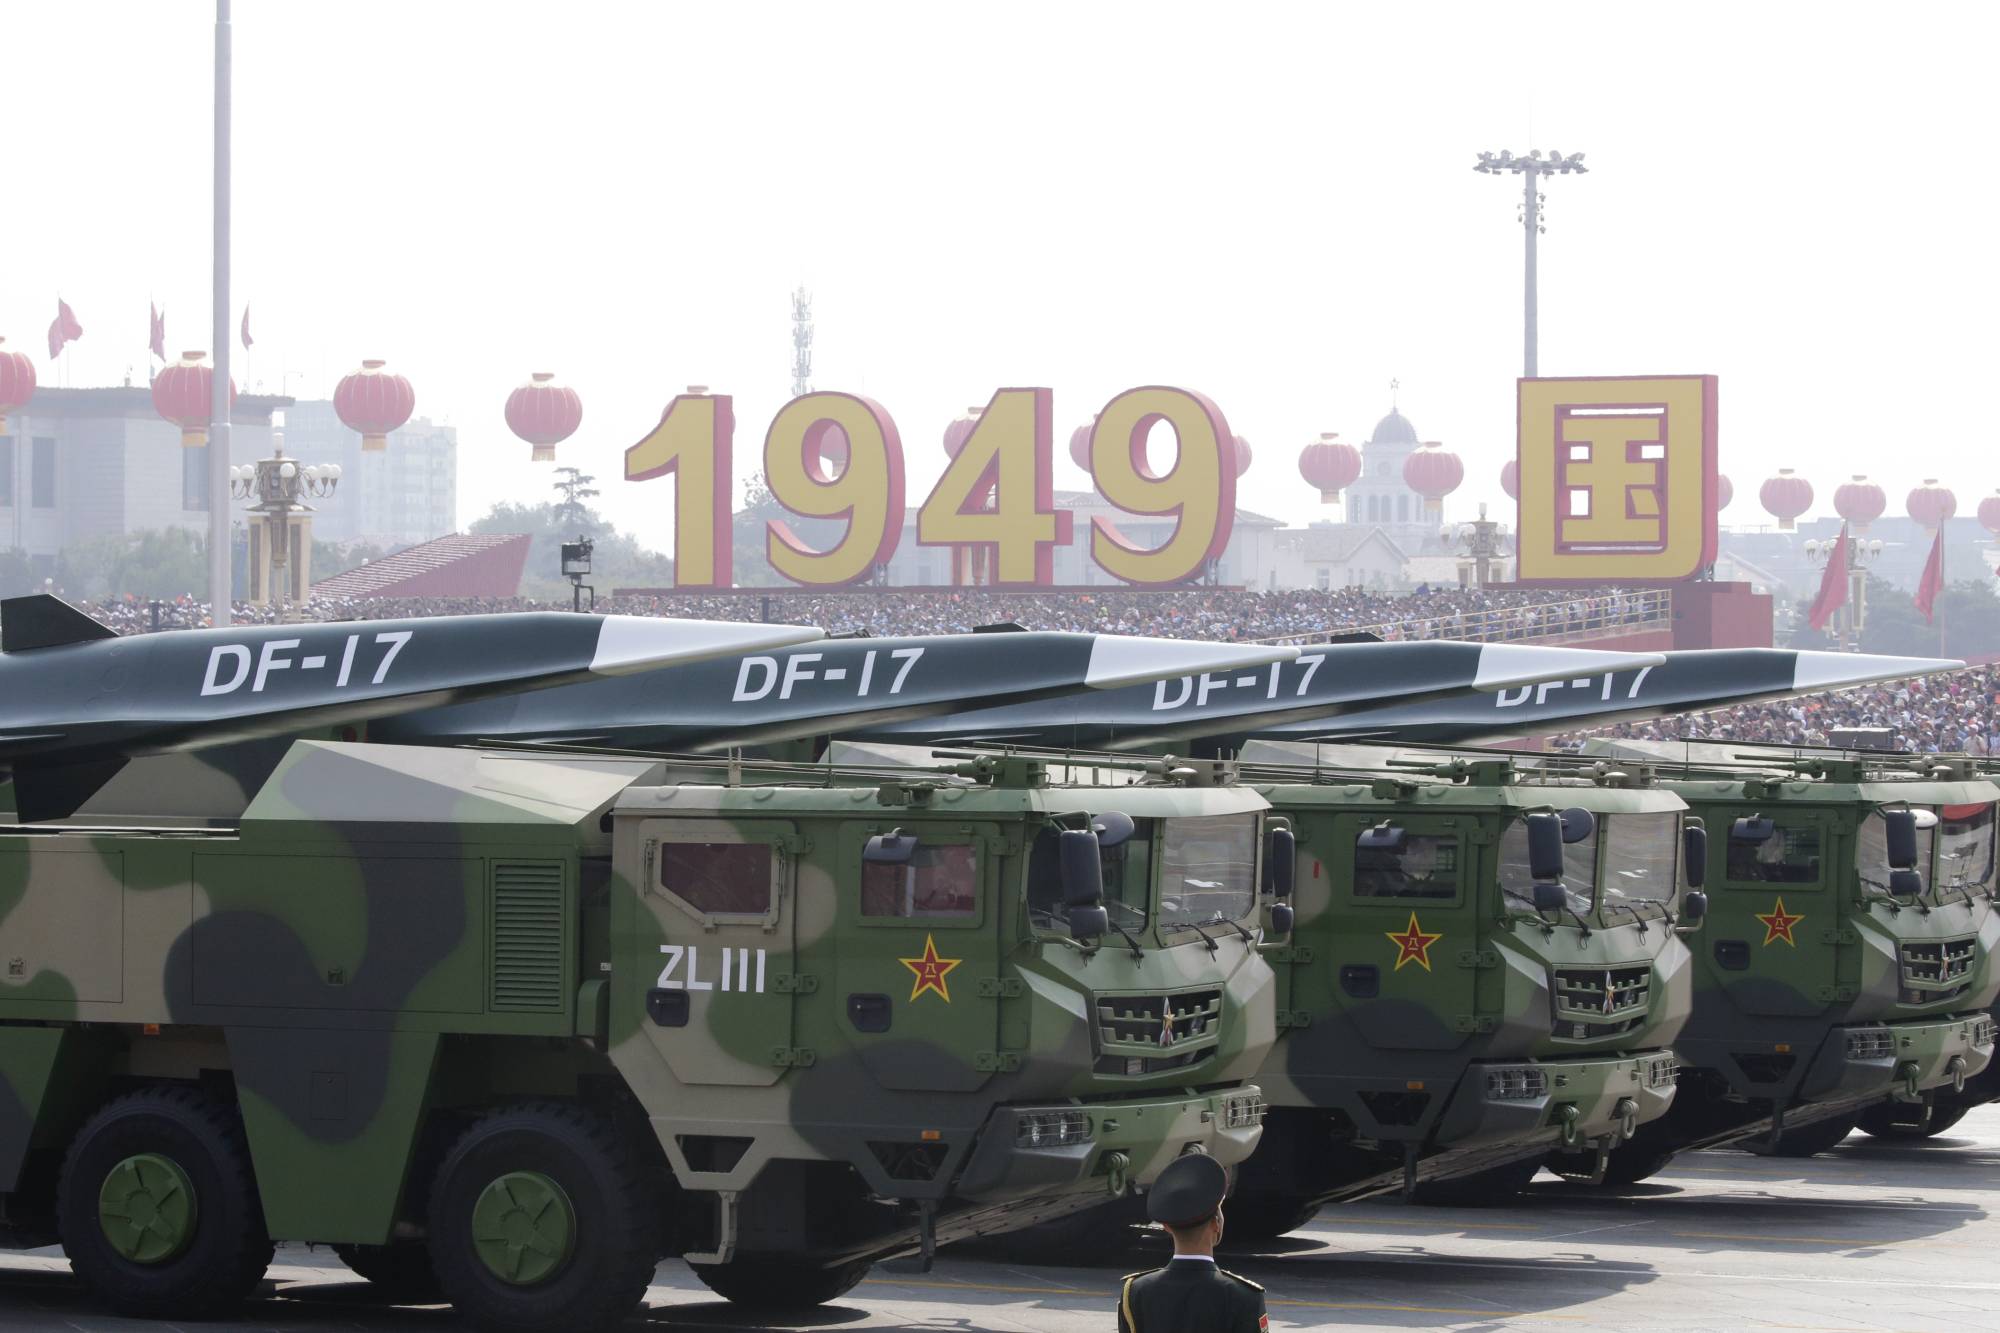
(41, 621)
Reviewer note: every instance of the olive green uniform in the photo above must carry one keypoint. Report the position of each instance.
(1190, 1296)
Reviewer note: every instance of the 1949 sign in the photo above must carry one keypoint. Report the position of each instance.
(996, 494)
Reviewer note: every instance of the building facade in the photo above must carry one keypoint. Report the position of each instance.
(399, 498)
(1380, 498)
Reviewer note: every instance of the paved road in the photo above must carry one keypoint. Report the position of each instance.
(1870, 1236)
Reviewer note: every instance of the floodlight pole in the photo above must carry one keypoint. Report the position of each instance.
(1530, 169)
(219, 583)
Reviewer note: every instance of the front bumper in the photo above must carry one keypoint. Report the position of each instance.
(1902, 1060)
(1105, 1147)
(1564, 1102)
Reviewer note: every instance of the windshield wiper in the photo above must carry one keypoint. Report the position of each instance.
(1206, 938)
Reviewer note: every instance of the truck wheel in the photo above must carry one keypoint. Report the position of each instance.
(1496, 1184)
(542, 1221)
(1810, 1140)
(1258, 1217)
(775, 1284)
(157, 1207)
(400, 1271)
(1880, 1121)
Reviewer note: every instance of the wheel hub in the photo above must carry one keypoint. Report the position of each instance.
(147, 1209)
(523, 1227)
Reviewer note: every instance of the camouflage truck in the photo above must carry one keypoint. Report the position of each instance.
(1848, 960)
(1486, 965)
(514, 1027)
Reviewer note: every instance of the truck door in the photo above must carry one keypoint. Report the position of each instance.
(714, 931)
(914, 950)
(1772, 925)
(1405, 909)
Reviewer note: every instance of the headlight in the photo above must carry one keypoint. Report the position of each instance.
(1871, 1044)
(1244, 1111)
(1517, 1083)
(1661, 1071)
(1051, 1129)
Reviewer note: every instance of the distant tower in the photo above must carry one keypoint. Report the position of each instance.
(802, 342)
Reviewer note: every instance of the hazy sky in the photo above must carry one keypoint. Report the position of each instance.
(1272, 204)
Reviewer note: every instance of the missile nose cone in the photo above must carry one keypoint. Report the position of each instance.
(626, 644)
(1505, 664)
(1121, 659)
(1826, 671)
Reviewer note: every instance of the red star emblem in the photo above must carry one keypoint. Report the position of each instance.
(1413, 945)
(1778, 924)
(930, 971)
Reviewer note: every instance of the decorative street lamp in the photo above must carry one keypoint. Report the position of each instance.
(576, 568)
(1480, 547)
(1530, 169)
(280, 487)
(1862, 552)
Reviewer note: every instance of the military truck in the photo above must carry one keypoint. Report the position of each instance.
(1486, 964)
(1847, 964)
(514, 1027)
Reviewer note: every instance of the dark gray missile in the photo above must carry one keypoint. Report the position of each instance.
(833, 688)
(1218, 710)
(1684, 681)
(77, 700)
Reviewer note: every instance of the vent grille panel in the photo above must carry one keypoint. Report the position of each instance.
(527, 970)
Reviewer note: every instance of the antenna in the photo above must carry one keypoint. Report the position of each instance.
(802, 342)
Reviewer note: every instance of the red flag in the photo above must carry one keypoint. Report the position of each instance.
(63, 328)
(1932, 583)
(159, 338)
(246, 328)
(1832, 585)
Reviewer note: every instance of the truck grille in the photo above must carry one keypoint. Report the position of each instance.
(1937, 969)
(1146, 1034)
(1593, 1002)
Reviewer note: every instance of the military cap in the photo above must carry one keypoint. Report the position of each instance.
(1188, 1191)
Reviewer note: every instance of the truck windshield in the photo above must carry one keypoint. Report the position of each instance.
(1207, 869)
(1871, 856)
(1641, 853)
(1579, 869)
(1127, 879)
(1965, 851)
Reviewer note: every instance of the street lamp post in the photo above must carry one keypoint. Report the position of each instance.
(280, 486)
(1852, 618)
(1530, 169)
(1480, 548)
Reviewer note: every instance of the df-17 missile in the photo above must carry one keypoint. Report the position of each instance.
(832, 688)
(1216, 710)
(1684, 681)
(77, 700)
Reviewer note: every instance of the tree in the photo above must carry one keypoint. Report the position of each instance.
(574, 484)
(618, 559)
(164, 563)
(1965, 621)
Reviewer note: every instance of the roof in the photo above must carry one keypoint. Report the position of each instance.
(1393, 429)
(1335, 542)
(136, 400)
(461, 565)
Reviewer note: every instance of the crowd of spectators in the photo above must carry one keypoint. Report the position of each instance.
(1194, 613)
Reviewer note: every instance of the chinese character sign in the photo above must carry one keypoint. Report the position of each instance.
(1617, 479)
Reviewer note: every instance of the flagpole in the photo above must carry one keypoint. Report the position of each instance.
(218, 402)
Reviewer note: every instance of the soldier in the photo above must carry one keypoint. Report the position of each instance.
(1191, 1293)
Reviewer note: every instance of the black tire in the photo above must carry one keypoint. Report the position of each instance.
(780, 1284)
(612, 1199)
(1253, 1217)
(1494, 1185)
(223, 1250)
(1809, 1140)
(1880, 1121)
(400, 1271)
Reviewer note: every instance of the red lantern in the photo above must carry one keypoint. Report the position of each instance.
(960, 430)
(1242, 447)
(1079, 444)
(1433, 472)
(374, 402)
(1510, 479)
(544, 414)
(17, 382)
(181, 395)
(1989, 513)
(1724, 492)
(1860, 502)
(1331, 466)
(1931, 504)
(1785, 497)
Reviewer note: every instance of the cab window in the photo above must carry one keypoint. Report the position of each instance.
(1424, 866)
(1641, 855)
(1208, 869)
(1965, 850)
(939, 880)
(1128, 879)
(1791, 855)
(720, 878)
(1517, 883)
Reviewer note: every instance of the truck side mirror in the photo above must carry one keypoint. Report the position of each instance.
(893, 848)
(1281, 918)
(1113, 827)
(1082, 870)
(1087, 923)
(1577, 824)
(1905, 884)
(1694, 906)
(1545, 847)
(1901, 828)
(1281, 851)
(1752, 829)
(1382, 837)
(1550, 896)
(1694, 854)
